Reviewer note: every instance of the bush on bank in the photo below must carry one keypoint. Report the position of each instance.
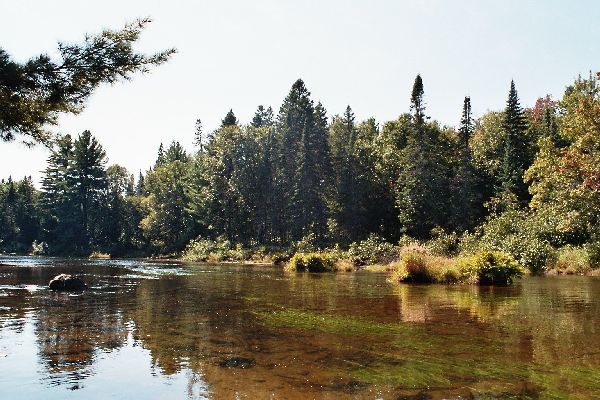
(482, 268)
(311, 262)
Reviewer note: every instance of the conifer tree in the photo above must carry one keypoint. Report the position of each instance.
(160, 159)
(86, 177)
(263, 117)
(229, 119)
(514, 160)
(198, 136)
(422, 193)
(466, 197)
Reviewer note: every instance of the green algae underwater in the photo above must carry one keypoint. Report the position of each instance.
(170, 330)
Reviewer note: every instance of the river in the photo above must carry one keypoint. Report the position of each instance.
(167, 330)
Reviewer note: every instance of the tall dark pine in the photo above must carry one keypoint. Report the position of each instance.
(514, 161)
(262, 117)
(198, 136)
(465, 188)
(86, 177)
(302, 165)
(160, 158)
(422, 186)
(60, 221)
(229, 119)
(417, 104)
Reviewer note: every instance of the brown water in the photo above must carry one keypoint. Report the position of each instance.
(174, 331)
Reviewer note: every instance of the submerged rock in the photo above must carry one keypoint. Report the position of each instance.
(237, 362)
(64, 282)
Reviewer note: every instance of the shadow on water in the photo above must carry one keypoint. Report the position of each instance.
(151, 329)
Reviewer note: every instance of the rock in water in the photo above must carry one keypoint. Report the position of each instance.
(64, 282)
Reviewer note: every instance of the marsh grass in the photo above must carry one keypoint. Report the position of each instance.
(482, 268)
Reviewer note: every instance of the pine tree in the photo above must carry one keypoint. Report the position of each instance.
(466, 197)
(263, 117)
(417, 104)
(139, 189)
(303, 169)
(160, 159)
(229, 119)
(86, 177)
(175, 152)
(514, 161)
(59, 222)
(198, 136)
(422, 188)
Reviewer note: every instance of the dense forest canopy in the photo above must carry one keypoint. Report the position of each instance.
(522, 180)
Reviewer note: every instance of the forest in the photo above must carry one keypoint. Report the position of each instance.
(524, 181)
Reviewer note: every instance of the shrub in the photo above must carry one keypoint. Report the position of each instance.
(571, 260)
(373, 250)
(443, 244)
(417, 266)
(489, 268)
(514, 232)
(212, 250)
(311, 262)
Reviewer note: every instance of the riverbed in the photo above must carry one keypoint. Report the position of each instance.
(170, 330)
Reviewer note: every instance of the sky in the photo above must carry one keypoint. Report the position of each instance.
(239, 54)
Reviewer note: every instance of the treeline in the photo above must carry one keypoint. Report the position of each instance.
(521, 180)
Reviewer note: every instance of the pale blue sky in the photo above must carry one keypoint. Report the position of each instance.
(239, 54)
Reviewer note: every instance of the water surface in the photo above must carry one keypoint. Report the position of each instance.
(158, 330)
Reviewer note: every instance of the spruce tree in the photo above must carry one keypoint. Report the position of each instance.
(262, 117)
(229, 119)
(86, 177)
(198, 136)
(422, 187)
(160, 158)
(466, 196)
(514, 160)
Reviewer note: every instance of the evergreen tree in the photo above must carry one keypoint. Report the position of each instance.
(86, 177)
(59, 218)
(198, 136)
(229, 119)
(160, 158)
(467, 197)
(263, 117)
(34, 94)
(303, 169)
(175, 152)
(515, 158)
(422, 193)
(139, 189)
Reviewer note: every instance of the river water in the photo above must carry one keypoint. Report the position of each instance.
(158, 330)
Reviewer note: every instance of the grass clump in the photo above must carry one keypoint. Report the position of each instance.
(482, 268)
(418, 266)
(489, 268)
(311, 262)
(99, 255)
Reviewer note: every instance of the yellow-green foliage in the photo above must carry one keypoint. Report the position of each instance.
(417, 266)
(571, 260)
(483, 268)
(311, 262)
(99, 255)
(489, 268)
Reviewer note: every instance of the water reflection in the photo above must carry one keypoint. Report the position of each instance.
(152, 330)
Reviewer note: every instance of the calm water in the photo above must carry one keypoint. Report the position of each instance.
(168, 331)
